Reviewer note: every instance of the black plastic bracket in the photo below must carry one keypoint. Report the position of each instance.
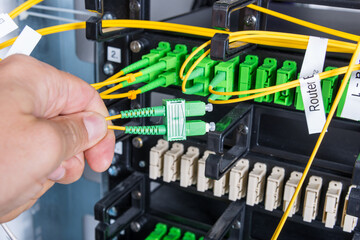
(128, 200)
(353, 207)
(94, 5)
(233, 217)
(233, 130)
(223, 9)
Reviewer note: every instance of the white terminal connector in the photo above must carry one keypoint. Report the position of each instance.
(221, 186)
(172, 163)
(312, 198)
(203, 183)
(331, 204)
(348, 222)
(274, 188)
(238, 180)
(256, 184)
(289, 190)
(157, 158)
(188, 170)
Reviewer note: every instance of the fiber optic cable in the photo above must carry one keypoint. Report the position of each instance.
(319, 141)
(23, 7)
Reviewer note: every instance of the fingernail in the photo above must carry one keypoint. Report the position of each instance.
(58, 174)
(96, 127)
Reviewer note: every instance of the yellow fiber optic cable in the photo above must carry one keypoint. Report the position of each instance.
(317, 27)
(117, 128)
(121, 95)
(113, 117)
(319, 141)
(118, 80)
(115, 76)
(23, 7)
(111, 90)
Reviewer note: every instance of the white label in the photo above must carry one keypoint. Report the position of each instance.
(313, 103)
(310, 86)
(25, 43)
(119, 148)
(351, 108)
(114, 54)
(7, 25)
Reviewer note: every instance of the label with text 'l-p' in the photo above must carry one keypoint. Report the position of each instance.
(351, 108)
(313, 103)
(310, 87)
(7, 25)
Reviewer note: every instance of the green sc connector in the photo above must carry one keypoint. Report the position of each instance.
(298, 102)
(285, 74)
(342, 101)
(158, 233)
(164, 80)
(266, 77)
(150, 58)
(191, 62)
(174, 234)
(225, 75)
(247, 73)
(189, 236)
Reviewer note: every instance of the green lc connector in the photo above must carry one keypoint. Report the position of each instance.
(150, 58)
(225, 75)
(201, 76)
(247, 73)
(285, 74)
(342, 101)
(189, 236)
(174, 234)
(172, 61)
(158, 233)
(266, 77)
(164, 80)
(174, 113)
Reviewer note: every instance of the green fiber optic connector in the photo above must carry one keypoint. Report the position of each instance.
(265, 77)
(189, 236)
(342, 101)
(224, 79)
(298, 102)
(285, 74)
(150, 58)
(164, 80)
(192, 60)
(158, 233)
(174, 113)
(174, 234)
(247, 73)
(206, 66)
(172, 61)
(202, 238)
(142, 79)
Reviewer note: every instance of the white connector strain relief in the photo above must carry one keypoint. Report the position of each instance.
(209, 107)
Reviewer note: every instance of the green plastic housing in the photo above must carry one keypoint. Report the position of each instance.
(285, 74)
(158, 233)
(191, 62)
(164, 80)
(227, 72)
(266, 77)
(195, 128)
(207, 66)
(247, 73)
(157, 53)
(174, 234)
(342, 101)
(189, 236)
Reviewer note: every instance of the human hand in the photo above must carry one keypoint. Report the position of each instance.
(49, 121)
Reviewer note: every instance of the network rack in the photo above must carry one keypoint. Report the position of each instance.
(157, 189)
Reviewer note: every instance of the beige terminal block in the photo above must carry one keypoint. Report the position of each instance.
(238, 180)
(312, 198)
(188, 169)
(203, 183)
(256, 184)
(274, 188)
(348, 222)
(172, 157)
(157, 158)
(221, 186)
(289, 191)
(331, 204)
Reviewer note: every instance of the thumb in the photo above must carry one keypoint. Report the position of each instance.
(79, 132)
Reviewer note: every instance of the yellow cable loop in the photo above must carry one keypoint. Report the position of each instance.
(317, 27)
(117, 128)
(319, 141)
(23, 7)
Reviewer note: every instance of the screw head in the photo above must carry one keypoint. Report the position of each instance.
(250, 21)
(109, 69)
(108, 16)
(135, 46)
(135, 226)
(243, 129)
(136, 195)
(137, 142)
(142, 164)
(134, 6)
(113, 171)
(113, 112)
(236, 225)
(112, 212)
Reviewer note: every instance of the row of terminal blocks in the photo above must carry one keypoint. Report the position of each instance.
(173, 165)
(161, 67)
(161, 233)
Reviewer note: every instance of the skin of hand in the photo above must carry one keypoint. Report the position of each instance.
(50, 121)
